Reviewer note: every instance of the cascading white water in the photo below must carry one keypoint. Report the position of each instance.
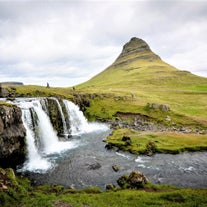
(65, 130)
(42, 141)
(49, 139)
(35, 161)
(78, 123)
(49, 143)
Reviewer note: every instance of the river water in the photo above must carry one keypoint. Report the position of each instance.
(90, 164)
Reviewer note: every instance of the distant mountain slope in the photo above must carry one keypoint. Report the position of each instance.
(138, 67)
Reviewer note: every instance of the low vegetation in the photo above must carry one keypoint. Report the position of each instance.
(161, 142)
(17, 191)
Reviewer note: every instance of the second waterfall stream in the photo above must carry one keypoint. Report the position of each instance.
(43, 141)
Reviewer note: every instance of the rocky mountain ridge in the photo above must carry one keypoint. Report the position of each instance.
(135, 49)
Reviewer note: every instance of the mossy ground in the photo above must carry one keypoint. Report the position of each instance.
(20, 193)
(163, 142)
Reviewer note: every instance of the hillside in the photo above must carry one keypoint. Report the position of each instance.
(137, 67)
(139, 78)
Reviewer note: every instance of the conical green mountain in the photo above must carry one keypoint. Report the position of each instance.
(138, 67)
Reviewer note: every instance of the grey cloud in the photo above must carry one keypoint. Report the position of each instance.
(84, 37)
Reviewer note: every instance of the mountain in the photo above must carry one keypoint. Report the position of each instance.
(138, 67)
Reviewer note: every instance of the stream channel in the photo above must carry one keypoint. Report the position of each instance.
(90, 164)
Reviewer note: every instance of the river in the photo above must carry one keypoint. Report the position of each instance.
(90, 164)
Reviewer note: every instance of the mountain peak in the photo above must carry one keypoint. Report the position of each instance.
(135, 45)
(136, 49)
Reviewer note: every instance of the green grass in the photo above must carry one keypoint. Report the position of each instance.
(20, 193)
(2, 103)
(40, 91)
(165, 142)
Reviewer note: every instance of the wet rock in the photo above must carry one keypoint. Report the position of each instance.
(150, 148)
(110, 187)
(115, 168)
(122, 181)
(110, 146)
(94, 166)
(135, 180)
(12, 137)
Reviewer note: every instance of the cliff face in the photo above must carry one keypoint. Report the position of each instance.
(12, 137)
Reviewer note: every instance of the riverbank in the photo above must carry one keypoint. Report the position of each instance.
(149, 142)
(18, 191)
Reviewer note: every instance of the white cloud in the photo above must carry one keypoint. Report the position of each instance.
(66, 40)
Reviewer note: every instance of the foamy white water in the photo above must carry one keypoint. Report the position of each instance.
(78, 123)
(34, 160)
(42, 139)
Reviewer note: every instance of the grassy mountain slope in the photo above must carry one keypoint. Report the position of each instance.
(137, 67)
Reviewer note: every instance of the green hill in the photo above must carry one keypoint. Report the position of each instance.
(138, 78)
(137, 67)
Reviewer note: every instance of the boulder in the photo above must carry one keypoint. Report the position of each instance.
(161, 107)
(135, 180)
(110, 187)
(115, 168)
(94, 166)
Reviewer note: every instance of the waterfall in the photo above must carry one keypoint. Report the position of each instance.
(35, 161)
(77, 120)
(43, 145)
(49, 142)
(78, 123)
(49, 139)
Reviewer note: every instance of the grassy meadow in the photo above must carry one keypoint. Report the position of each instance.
(157, 142)
(17, 191)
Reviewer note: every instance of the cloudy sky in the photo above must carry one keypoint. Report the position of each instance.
(66, 42)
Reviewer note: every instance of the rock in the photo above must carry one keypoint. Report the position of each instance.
(127, 140)
(109, 146)
(135, 49)
(3, 92)
(115, 168)
(122, 181)
(135, 180)
(162, 107)
(110, 187)
(168, 118)
(94, 166)
(150, 148)
(12, 137)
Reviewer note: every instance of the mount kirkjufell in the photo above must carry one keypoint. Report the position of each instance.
(139, 67)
